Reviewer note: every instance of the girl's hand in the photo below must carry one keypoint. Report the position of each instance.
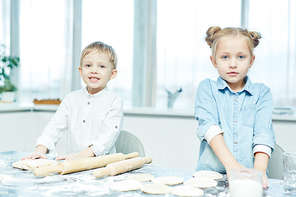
(235, 165)
(35, 155)
(264, 180)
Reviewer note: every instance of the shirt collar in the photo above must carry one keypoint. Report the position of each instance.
(95, 95)
(248, 85)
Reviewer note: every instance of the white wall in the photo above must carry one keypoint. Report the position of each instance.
(170, 140)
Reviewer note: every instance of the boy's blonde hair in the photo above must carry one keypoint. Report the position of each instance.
(102, 48)
(214, 34)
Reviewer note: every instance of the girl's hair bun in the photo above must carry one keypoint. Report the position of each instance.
(255, 37)
(210, 34)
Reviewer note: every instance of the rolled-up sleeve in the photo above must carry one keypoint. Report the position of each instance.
(263, 129)
(206, 112)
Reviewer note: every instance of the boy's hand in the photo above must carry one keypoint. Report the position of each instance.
(83, 154)
(69, 157)
(35, 155)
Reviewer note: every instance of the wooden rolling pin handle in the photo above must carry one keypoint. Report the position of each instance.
(45, 171)
(122, 166)
(131, 155)
(147, 160)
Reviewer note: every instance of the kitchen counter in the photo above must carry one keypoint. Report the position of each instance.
(17, 182)
(278, 115)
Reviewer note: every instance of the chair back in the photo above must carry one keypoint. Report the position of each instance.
(127, 143)
(275, 164)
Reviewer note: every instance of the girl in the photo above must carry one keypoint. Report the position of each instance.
(234, 114)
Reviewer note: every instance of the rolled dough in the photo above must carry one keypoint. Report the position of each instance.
(182, 190)
(155, 188)
(29, 164)
(141, 177)
(124, 186)
(168, 180)
(201, 182)
(207, 173)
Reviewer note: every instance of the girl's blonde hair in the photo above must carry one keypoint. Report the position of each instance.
(214, 34)
(102, 48)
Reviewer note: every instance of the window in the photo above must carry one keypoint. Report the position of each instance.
(47, 45)
(275, 63)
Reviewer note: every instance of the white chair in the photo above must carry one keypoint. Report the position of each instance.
(275, 164)
(127, 143)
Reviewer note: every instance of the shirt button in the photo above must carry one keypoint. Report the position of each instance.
(83, 121)
(235, 142)
(236, 99)
(235, 120)
(88, 103)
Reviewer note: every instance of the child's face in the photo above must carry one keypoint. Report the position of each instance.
(96, 70)
(233, 60)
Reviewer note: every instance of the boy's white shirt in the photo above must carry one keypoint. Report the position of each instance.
(216, 130)
(86, 120)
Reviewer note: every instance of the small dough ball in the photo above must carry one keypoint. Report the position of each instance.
(207, 173)
(141, 177)
(187, 191)
(124, 186)
(155, 188)
(168, 180)
(201, 182)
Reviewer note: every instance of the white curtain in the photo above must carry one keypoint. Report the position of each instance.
(183, 57)
(45, 49)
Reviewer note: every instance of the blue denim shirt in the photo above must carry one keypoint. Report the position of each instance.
(244, 116)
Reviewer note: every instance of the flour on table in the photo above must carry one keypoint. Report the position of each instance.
(155, 188)
(207, 173)
(141, 177)
(29, 164)
(124, 186)
(168, 180)
(187, 191)
(201, 182)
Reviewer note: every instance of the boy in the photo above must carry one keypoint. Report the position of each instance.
(91, 116)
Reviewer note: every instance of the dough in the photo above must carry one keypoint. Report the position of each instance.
(168, 180)
(207, 173)
(201, 182)
(141, 177)
(29, 164)
(187, 191)
(155, 188)
(124, 186)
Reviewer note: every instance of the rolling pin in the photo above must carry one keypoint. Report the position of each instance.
(122, 166)
(67, 167)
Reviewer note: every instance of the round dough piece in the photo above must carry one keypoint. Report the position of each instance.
(207, 173)
(182, 190)
(124, 186)
(141, 177)
(201, 182)
(30, 164)
(168, 180)
(155, 188)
